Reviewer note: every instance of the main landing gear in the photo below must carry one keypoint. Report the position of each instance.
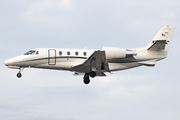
(19, 75)
(86, 77)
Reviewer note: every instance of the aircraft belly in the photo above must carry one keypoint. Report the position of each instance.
(122, 66)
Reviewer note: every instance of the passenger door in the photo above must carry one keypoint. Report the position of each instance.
(52, 57)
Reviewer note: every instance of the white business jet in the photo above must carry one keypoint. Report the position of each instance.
(94, 63)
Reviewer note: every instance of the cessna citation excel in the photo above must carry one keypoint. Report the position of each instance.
(94, 63)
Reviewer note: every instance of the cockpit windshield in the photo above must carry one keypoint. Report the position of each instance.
(31, 52)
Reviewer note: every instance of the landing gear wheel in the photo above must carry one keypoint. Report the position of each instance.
(92, 74)
(19, 75)
(86, 81)
(86, 78)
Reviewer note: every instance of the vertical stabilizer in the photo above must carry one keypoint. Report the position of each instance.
(162, 41)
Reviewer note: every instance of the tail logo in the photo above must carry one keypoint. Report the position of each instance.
(163, 35)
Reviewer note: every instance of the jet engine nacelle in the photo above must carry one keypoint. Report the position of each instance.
(112, 52)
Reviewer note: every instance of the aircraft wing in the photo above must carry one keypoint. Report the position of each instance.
(96, 62)
(158, 45)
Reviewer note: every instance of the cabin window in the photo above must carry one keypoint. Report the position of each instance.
(68, 53)
(31, 52)
(60, 53)
(37, 52)
(76, 53)
(85, 53)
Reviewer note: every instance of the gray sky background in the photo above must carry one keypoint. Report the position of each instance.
(144, 93)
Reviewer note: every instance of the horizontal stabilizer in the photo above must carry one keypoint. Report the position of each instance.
(158, 45)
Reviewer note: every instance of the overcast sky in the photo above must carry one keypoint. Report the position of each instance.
(143, 93)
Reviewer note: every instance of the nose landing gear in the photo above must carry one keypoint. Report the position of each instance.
(19, 75)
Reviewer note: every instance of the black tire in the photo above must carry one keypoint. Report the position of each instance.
(19, 75)
(92, 74)
(86, 81)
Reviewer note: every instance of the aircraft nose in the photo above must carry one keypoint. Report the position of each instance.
(8, 62)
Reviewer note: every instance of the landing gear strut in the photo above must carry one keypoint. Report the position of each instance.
(86, 78)
(19, 75)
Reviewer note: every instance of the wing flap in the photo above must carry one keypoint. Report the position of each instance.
(100, 74)
(97, 74)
